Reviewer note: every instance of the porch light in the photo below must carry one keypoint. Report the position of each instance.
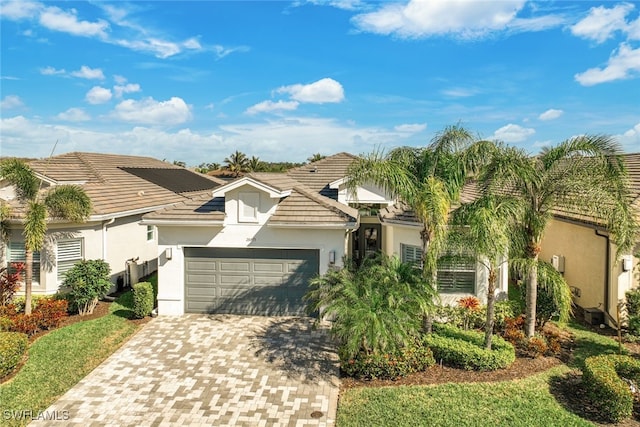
(332, 257)
(168, 253)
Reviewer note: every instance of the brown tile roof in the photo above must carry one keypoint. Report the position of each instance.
(113, 190)
(201, 208)
(318, 175)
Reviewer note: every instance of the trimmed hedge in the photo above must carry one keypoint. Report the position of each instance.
(465, 349)
(13, 345)
(413, 358)
(607, 391)
(142, 299)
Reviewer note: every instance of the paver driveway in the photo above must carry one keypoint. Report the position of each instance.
(211, 370)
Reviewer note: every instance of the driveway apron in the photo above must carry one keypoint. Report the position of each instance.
(212, 370)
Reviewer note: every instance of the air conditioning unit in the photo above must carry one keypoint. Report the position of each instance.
(557, 261)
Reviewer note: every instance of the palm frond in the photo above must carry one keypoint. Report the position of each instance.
(35, 226)
(69, 202)
(20, 174)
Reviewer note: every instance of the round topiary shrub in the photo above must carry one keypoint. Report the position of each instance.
(413, 358)
(13, 345)
(465, 349)
(602, 377)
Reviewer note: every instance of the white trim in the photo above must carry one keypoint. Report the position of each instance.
(185, 222)
(397, 223)
(273, 192)
(348, 225)
(131, 212)
(335, 185)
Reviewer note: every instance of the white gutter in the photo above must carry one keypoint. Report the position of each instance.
(128, 213)
(104, 237)
(349, 225)
(182, 222)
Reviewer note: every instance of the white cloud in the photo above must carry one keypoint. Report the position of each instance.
(633, 30)
(630, 140)
(57, 19)
(411, 128)
(320, 92)
(88, 73)
(623, 63)
(98, 95)
(338, 4)
(602, 23)
(74, 115)
(126, 88)
(222, 51)
(270, 107)
(551, 114)
(17, 10)
(50, 71)
(11, 101)
(460, 92)
(160, 48)
(459, 18)
(149, 111)
(513, 133)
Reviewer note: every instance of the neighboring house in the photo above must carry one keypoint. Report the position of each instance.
(251, 245)
(580, 248)
(121, 189)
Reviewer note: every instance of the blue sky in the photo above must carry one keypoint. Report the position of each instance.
(194, 81)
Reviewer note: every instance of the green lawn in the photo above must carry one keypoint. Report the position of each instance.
(63, 357)
(526, 402)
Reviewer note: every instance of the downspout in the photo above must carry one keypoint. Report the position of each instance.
(104, 237)
(607, 277)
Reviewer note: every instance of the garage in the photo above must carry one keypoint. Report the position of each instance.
(269, 282)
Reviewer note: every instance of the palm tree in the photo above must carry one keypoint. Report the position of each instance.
(237, 163)
(67, 202)
(315, 157)
(583, 175)
(485, 226)
(254, 164)
(428, 180)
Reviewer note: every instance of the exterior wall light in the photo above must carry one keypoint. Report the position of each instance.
(168, 253)
(332, 257)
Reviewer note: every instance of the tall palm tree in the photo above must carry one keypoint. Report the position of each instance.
(67, 202)
(583, 175)
(428, 180)
(485, 227)
(254, 164)
(237, 163)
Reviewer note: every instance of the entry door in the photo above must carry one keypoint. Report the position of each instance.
(366, 241)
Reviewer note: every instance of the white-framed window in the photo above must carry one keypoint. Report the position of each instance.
(69, 252)
(248, 204)
(410, 253)
(151, 232)
(16, 253)
(456, 274)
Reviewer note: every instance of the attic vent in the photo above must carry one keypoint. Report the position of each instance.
(314, 170)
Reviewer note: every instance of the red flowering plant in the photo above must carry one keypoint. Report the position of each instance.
(10, 281)
(469, 305)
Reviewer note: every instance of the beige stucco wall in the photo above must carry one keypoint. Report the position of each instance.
(585, 254)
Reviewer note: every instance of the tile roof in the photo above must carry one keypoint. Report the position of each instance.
(318, 175)
(200, 208)
(112, 189)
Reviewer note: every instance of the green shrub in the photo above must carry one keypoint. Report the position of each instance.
(465, 349)
(12, 347)
(504, 310)
(5, 324)
(633, 302)
(601, 376)
(633, 326)
(413, 358)
(142, 299)
(89, 282)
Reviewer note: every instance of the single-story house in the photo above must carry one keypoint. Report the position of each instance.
(582, 251)
(121, 189)
(251, 246)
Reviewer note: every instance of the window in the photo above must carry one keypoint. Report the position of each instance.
(456, 273)
(410, 253)
(150, 232)
(69, 252)
(17, 254)
(248, 207)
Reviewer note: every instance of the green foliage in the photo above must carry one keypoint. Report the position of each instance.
(142, 299)
(10, 282)
(601, 376)
(415, 357)
(89, 282)
(375, 308)
(13, 345)
(465, 349)
(48, 313)
(69, 202)
(5, 324)
(633, 311)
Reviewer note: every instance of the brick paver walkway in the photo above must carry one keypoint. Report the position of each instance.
(211, 370)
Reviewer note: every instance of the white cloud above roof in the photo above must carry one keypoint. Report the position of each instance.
(623, 63)
(513, 133)
(98, 95)
(151, 112)
(74, 115)
(67, 21)
(322, 91)
(88, 73)
(270, 107)
(551, 114)
(411, 128)
(602, 22)
(51, 71)
(11, 101)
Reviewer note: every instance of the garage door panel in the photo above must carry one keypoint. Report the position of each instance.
(248, 281)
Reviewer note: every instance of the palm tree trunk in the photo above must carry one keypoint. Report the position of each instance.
(491, 308)
(28, 280)
(425, 236)
(532, 297)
